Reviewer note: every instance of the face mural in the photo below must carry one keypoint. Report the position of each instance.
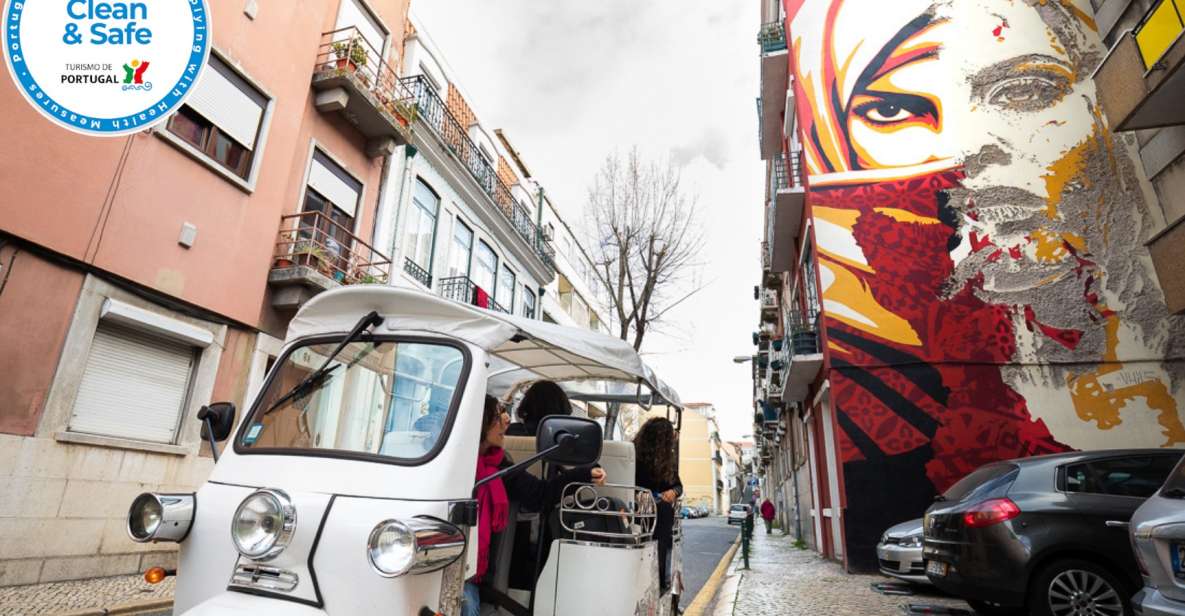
(980, 236)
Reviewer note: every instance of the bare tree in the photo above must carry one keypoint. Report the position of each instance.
(646, 238)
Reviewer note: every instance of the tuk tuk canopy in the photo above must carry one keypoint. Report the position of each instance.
(525, 350)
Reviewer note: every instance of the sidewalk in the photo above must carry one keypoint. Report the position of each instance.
(784, 580)
(65, 597)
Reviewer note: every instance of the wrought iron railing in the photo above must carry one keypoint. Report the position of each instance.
(458, 288)
(772, 37)
(1159, 29)
(433, 112)
(312, 239)
(346, 52)
(496, 307)
(415, 271)
(804, 332)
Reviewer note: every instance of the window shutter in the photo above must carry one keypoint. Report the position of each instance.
(331, 181)
(228, 102)
(135, 385)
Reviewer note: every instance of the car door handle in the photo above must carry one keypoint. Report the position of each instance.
(1117, 524)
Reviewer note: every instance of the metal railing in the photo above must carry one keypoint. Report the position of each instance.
(433, 112)
(496, 307)
(772, 37)
(634, 517)
(459, 289)
(787, 171)
(415, 271)
(312, 239)
(346, 52)
(804, 332)
(1159, 29)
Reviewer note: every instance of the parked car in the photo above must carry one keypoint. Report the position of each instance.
(900, 552)
(1158, 537)
(685, 513)
(737, 514)
(1046, 533)
(703, 512)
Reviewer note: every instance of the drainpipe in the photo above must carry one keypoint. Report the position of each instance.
(409, 154)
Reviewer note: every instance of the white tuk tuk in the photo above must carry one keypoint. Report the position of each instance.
(348, 486)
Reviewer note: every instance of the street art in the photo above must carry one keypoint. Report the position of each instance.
(985, 288)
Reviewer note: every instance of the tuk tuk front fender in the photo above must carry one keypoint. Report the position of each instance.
(243, 604)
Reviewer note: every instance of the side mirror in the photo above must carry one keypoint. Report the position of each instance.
(222, 420)
(577, 440)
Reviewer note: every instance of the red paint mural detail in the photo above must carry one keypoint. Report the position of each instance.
(952, 380)
(1068, 338)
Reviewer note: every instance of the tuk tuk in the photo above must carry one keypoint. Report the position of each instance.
(349, 484)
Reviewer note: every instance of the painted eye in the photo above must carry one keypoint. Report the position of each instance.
(1026, 93)
(886, 113)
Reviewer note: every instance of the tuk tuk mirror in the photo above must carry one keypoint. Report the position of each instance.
(576, 440)
(218, 420)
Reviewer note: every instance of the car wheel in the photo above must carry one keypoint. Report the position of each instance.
(991, 609)
(1074, 587)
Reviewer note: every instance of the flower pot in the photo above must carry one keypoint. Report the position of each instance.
(339, 276)
(283, 262)
(346, 63)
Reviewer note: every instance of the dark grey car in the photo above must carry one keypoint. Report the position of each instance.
(1046, 535)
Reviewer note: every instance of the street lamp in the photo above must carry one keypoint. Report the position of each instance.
(740, 359)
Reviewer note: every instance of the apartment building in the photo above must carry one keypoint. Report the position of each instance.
(963, 260)
(701, 463)
(1141, 85)
(142, 277)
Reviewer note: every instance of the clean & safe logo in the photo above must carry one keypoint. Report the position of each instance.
(85, 64)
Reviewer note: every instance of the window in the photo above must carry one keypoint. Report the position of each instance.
(327, 229)
(222, 118)
(506, 284)
(1137, 476)
(462, 252)
(528, 303)
(378, 398)
(981, 481)
(135, 385)
(807, 275)
(485, 267)
(351, 14)
(421, 225)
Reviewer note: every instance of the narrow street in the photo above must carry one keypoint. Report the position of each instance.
(704, 542)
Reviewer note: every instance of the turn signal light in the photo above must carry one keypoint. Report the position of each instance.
(990, 512)
(155, 575)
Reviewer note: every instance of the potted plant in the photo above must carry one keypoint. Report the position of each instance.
(350, 54)
(405, 113)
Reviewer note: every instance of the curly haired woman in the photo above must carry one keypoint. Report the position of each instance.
(658, 471)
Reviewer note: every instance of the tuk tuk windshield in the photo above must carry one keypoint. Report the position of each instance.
(381, 398)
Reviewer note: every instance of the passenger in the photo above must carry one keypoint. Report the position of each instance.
(658, 471)
(530, 492)
(543, 398)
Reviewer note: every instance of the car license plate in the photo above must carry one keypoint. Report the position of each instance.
(934, 567)
(1177, 555)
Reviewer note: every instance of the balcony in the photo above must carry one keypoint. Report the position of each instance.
(352, 79)
(418, 273)
(313, 254)
(775, 82)
(769, 303)
(787, 198)
(805, 355)
(431, 111)
(1140, 82)
(462, 289)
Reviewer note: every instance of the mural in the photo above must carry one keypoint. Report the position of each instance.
(980, 232)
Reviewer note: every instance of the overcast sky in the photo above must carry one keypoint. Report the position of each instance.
(570, 82)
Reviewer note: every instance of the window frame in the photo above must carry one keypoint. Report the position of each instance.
(453, 245)
(414, 206)
(1064, 470)
(441, 443)
(247, 180)
(527, 292)
(505, 268)
(493, 290)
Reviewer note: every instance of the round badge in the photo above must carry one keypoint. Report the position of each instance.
(102, 67)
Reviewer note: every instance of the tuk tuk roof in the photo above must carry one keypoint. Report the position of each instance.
(529, 349)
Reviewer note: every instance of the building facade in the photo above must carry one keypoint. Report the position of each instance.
(701, 463)
(142, 277)
(959, 262)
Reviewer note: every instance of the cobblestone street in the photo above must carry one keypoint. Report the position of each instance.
(66, 597)
(786, 581)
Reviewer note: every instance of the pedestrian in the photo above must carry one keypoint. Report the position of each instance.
(658, 471)
(767, 514)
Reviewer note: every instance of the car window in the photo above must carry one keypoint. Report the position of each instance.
(982, 480)
(1136, 476)
(1176, 480)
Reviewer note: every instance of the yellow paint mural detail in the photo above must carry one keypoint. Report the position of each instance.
(848, 299)
(1063, 171)
(1051, 247)
(906, 216)
(1097, 398)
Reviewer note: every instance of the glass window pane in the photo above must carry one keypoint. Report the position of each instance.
(462, 250)
(485, 266)
(506, 284)
(389, 399)
(190, 126)
(1137, 476)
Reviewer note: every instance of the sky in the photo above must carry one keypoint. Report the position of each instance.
(571, 82)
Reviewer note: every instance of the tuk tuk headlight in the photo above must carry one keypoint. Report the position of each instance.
(263, 524)
(419, 545)
(160, 517)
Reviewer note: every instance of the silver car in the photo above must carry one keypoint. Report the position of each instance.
(1158, 537)
(900, 552)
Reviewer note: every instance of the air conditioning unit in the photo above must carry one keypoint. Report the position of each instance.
(549, 232)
